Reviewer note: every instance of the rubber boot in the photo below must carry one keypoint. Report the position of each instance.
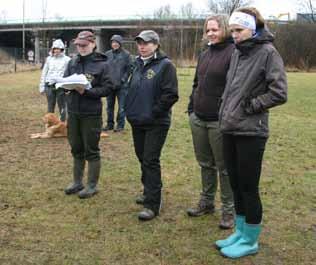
(234, 237)
(93, 177)
(246, 245)
(78, 169)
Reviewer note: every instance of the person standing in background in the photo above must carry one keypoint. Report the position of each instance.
(54, 68)
(120, 61)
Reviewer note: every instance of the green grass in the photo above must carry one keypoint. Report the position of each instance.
(40, 225)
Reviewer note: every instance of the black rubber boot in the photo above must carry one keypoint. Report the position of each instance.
(78, 169)
(93, 178)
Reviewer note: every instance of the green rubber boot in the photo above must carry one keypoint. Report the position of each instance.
(78, 169)
(93, 178)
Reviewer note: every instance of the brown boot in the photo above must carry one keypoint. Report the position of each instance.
(201, 209)
(227, 221)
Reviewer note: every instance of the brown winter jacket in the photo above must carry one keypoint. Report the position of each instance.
(210, 79)
(256, 81)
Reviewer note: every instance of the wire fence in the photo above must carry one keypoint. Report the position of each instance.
(11, 59)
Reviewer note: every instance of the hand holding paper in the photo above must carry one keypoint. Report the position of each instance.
(74, 82)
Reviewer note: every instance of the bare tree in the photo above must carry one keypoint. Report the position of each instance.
(227, 6)
(187, 11)
(308, 6)
(164, 12)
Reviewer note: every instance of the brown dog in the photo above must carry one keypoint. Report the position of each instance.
(53, 127)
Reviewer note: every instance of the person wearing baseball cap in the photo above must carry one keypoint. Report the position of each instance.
(85, 113)
(153, 90)
(256, 82)
(84, 38)
(148, 36)
(120, 61)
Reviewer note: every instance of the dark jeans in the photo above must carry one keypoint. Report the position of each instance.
(148, 143)
(243, 159)
(84, 136)
(54, 95)
(120, 94)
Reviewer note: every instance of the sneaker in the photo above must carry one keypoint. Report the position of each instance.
(107, 128)
(201, 209)
(146, 215)
(140, 199)
(227, 221)
(118, 129)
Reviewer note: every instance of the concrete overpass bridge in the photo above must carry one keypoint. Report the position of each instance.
(39, 35)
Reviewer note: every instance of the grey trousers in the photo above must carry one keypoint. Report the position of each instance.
(208, 148)
(56, 95)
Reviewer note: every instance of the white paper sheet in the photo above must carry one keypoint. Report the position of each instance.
(74, 81)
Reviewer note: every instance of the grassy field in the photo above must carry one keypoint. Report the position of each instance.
(40, 225)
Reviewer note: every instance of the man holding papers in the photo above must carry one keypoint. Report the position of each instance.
(85, 111)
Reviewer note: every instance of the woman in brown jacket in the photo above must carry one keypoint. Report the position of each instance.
(208, 87)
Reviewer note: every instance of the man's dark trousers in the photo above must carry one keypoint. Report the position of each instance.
(120, 94)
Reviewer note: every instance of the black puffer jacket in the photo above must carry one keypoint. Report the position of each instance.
(256, 81)
(210, 79)
(153, 89)
(96, 69)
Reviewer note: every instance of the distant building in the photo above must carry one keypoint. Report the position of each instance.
(306, 17)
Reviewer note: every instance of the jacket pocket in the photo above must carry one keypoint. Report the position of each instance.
(232, 119)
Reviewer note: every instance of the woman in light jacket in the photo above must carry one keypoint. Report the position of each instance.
(53, 69)
(256, 82)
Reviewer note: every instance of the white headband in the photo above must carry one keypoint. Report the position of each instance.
(243, 19)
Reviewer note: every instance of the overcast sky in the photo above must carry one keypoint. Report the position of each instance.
(68, 9)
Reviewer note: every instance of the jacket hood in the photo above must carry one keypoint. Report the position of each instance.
(58, 44)
(262, 36)
(117, 38)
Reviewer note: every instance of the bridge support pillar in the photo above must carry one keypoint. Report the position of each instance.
(99, 41)
(37, 47)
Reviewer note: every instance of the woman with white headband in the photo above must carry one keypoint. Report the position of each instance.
(256, 82)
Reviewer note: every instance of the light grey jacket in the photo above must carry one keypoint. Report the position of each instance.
(54, 67)
(256, 81)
